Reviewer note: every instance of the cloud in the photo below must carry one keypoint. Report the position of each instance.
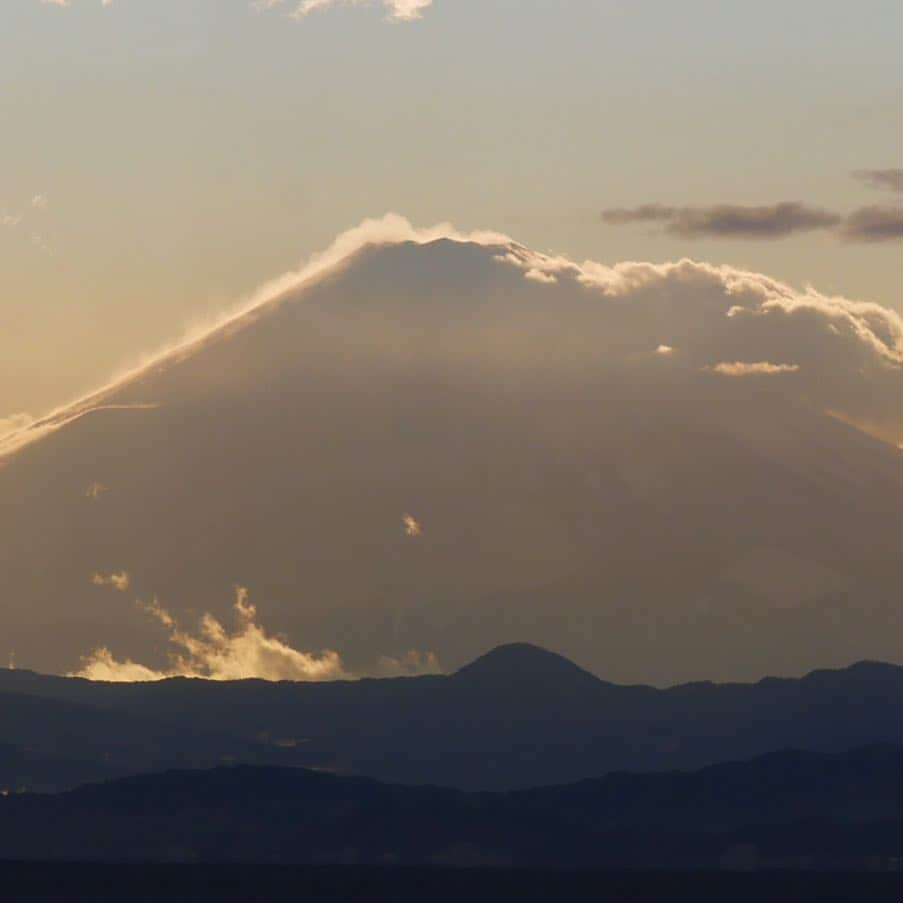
(39, 202)
(10, 220)
(246, 652)
(411, 526)
(887, 179)
(391, 229)
(95, 490)
(14, 423)
(728, 220)
(119, 581)
(67, 3)
(217, 653)
(756, 368)
(712, 313)
(412, 664)
(874, 224)
(396, 10)
(849, 354)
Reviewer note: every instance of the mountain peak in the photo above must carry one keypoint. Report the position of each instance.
(519, 664)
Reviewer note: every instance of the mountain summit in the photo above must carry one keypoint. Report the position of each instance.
(439, 443)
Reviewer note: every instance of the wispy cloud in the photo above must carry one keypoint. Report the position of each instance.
(885, 179)
(774, 221)
(246, 651)
(412, 527)
(728, 220)
(95, 491)
(14, 423)
(67, 3)
(874, 224)
(755, 368)
(215, 652)
(119, 581)
(396, 10)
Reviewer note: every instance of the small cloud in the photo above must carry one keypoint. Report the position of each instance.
(664, 349)
(396, 10)
(10, 220)
(412, 664)
(537, 275)
(118, 581)
(885, 179)
(95, 490)
(411, 526)
(39, 202)
(14, 423)
(873, 224)
(728, 220)
(756, 368)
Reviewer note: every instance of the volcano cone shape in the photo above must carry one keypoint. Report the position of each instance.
(450, 445)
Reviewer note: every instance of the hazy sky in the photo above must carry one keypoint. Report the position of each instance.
(161, 158)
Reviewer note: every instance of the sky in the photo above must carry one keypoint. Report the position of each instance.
(160, 159)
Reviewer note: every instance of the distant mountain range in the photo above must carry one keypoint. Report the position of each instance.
(518, 717)
(788, 809)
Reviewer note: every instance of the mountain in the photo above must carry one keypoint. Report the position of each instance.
(580, 470)
(790, 808)
(518, 717)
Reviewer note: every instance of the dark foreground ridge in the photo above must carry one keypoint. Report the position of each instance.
(518, 717)
(787, 810)
(267, 884)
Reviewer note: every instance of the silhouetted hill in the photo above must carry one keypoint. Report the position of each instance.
(49, 744)
(240, 883)
(522, 667)
(791, 808)
(518, 717)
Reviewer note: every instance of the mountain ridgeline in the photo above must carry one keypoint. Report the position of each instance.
(801, 810)
(518, 717)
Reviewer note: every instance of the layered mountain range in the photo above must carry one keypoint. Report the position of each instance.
(516, 718)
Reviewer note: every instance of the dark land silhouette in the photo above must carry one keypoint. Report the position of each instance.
(518, 717)
(787, 810)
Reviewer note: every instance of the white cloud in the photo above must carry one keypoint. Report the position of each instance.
(119, 581)
(39, 202)
(67, 3)
(14, 423)
(216, 653)
(754, 368)
(95, 491)
(411, 664)
(712, 313)
(396, 10)
(246, 652)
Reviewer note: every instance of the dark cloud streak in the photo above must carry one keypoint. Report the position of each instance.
(729, 220)
(775, 221)
(873, 224)
(885, 179)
